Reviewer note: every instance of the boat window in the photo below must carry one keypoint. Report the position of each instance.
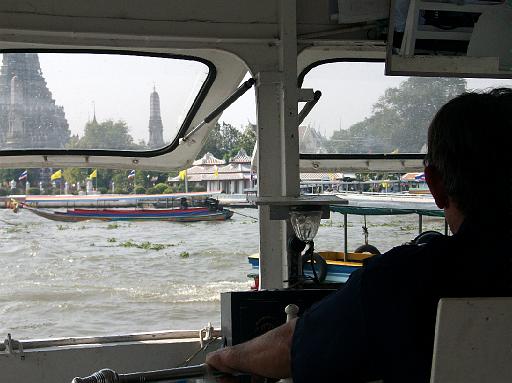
(233, 135)
(71, 277)
(102, 251)
(89, 101)
(363, 111)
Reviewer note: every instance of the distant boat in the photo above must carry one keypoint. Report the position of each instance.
(211, 211)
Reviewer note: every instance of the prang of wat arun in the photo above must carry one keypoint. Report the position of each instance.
(29, 118)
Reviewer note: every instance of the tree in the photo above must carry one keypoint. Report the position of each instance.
(413, 105)
(230, 140)
(6, 175)
(122, 183)
(224, 141)
(247, 140)
(160, 187)
(73, 142)
(105, 135)
(213, 143)
(400, 117)
(74, 175)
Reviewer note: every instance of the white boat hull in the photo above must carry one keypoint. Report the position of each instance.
(60, 360)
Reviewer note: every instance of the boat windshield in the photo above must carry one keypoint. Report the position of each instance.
(98, 251)
(363, 111)
(95, 101)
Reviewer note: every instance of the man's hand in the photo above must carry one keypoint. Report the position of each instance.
(223, 360)
(267, 355)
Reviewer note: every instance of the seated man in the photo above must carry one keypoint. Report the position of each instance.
(381, 324)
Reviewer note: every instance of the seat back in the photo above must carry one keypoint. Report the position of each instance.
(473, 341)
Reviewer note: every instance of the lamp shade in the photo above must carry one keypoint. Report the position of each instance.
(305, 224)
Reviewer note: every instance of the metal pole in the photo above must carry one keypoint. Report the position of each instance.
(309, 105)
(345, 231)
(225, 104)
(420, 223)
(278, 149)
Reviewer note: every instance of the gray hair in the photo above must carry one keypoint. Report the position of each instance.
(468, 142)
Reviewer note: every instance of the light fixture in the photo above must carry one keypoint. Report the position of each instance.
(305, 221)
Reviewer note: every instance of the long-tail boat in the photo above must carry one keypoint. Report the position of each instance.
(209, 211)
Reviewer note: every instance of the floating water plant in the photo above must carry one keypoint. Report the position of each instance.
(112, 226)
(146, 245)
(184, 254)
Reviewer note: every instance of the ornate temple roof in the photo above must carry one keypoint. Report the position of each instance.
(321, 176)
(235, 167)
(310, 140)
(209, 160)
(241, 157)
(29, 117)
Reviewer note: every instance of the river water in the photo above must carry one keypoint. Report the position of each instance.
(90, 278)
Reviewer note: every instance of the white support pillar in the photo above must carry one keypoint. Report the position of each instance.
(268, 92)
(290, 182)
(278, 157)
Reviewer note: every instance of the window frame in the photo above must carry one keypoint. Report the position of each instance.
(351, 156)
(191, 113)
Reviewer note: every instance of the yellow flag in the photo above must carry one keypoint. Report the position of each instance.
(94, 174)
(183, 174)
(215, 171)
(56, 175)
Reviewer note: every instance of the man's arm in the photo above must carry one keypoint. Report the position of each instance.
(267, 355)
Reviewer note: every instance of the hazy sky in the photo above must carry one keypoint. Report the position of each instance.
(349, 91)
(120, 88)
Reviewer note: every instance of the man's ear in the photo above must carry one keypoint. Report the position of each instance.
(436, 185)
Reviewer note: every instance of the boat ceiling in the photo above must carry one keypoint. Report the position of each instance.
(237, 36)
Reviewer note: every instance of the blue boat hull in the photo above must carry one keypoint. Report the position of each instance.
(337, 272)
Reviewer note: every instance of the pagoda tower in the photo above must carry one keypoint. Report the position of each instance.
(29, 118)
(156, 128)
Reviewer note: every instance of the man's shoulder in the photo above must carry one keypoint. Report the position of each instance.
(406, 262)
(408, 254)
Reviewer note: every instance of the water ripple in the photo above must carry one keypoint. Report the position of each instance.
(76, 279)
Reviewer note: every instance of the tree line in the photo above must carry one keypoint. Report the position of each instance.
(224, 141)
(398, 123)
(400, 118)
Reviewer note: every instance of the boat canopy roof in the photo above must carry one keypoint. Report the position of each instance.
(275, 42)
(360, 210)
(234, 38)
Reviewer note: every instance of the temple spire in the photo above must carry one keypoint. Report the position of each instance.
(94, 121)
(156, 129)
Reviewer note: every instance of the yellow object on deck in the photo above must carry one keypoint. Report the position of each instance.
(337, 258)
(340, 256)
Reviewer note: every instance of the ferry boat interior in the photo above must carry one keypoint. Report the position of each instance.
(267, 47)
